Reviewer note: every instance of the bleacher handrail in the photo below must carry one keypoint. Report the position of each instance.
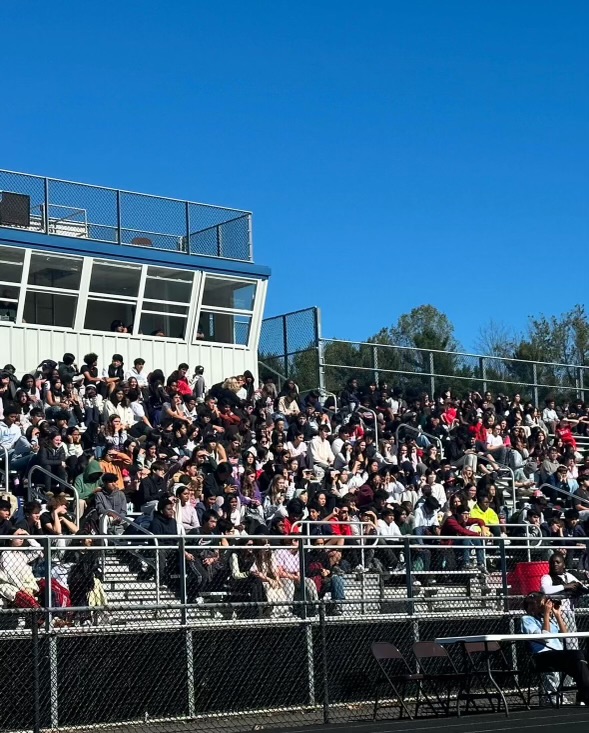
(131, 522)
(6, 467)
(570, 494)
(60, 481)
(419, 431)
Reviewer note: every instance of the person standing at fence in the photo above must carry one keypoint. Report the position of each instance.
(562, 586)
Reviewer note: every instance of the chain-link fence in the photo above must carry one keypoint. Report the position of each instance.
(192, 632)
(421, 370)
(121, 217)
(289, 348)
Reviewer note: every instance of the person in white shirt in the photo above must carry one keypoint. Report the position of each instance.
(437, 489)
(550, 416)
(495, 446)
(297, 447)
(321, 453)
(11, 438)
(137, 371)
(387, 527)
(342, 449)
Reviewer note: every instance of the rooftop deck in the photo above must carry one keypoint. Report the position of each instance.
(79, 210)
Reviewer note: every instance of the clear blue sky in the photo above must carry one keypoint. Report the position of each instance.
(436, 151)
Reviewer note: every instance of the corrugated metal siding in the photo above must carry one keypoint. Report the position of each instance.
(28, 346)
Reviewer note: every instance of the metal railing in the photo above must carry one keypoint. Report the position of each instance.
(564, 492)
(57, 480)
(361, 408)
(434, 370)
(128, 218)
(110, 539)
(6, 467)
(419, 431)
(175, 653)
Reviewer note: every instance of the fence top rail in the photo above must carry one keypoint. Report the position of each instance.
(451, 353)
(278, 542)
(123, 191)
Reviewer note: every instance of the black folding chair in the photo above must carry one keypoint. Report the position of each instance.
(397, 674)
(438, 670)
(486, 662)
(551, 693)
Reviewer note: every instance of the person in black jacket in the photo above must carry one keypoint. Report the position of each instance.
(152, 489)
(164, 522)
(52, 458)
(219, 481)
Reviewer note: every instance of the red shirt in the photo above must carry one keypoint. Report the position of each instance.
(289, 529)
(183, 387)
(343, 530)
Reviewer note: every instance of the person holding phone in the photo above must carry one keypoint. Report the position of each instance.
(542, 616)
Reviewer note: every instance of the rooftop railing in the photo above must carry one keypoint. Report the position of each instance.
(80, 210)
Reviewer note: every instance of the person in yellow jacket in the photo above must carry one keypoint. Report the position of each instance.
(482, 510)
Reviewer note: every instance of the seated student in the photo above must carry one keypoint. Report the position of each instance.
(460, 524)
(482, 510)
(541, 617)
(6, 526)
(111, 503)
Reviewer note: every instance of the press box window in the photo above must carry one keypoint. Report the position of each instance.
(50, 309)
(112, 296)
(49, 271)
(166, 300)
(115, 279)
(231, 294)
(224, 328)
(11, 263)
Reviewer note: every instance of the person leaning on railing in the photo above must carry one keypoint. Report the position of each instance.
(544, 616)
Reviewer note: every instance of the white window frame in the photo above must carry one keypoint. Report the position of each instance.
(202, 308)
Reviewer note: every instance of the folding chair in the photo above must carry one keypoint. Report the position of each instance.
(397, 673)
(551, 685)
(437, 668)
(487, 662)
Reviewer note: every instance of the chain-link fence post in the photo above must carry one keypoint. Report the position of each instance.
(53, 681)
(45, 215)
(186, 247)
(119, 224)
(183, 591)
(408, 572)
(190, 673)
(535, 377)
(320, 352)
(504, 587)
(432, 379)
(285, 344)
(375, 364)
(311, 660)
(47, 568)
(483, 368)
(581, 385)
(324, 660)
(36, 667)
(303, 574)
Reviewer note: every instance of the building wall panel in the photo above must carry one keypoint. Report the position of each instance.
(27, 346)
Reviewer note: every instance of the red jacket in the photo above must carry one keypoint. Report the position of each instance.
(184, 387)
(453, 528)
(344, 530)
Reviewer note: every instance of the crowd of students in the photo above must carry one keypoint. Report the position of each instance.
(227, 464)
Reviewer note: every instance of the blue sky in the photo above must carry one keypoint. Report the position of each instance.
(393, 153)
